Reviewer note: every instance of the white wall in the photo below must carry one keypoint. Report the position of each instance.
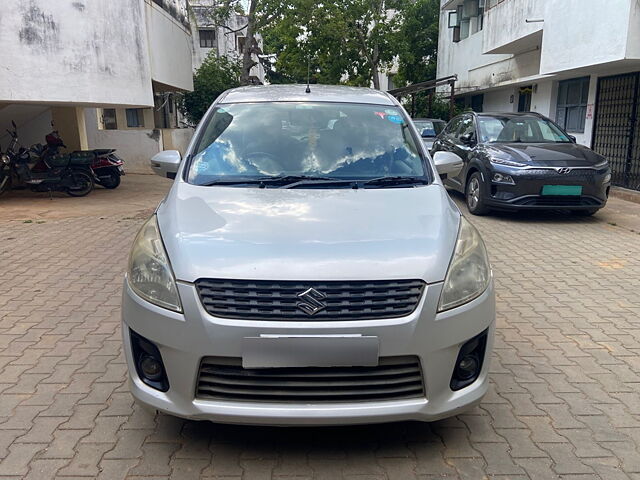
(580, 33)
(134, 146)
(170, 48)
(633, 42)
(81, 52)
(505, 23)
(499, 100)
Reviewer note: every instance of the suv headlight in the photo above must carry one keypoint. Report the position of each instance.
(4, 158)
(150, 274)
(469, 272)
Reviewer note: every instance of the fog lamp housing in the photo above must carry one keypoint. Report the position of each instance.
(469, 362)
(148, 362)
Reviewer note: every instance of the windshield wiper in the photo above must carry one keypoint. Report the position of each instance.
(396, 180)
(263, 181)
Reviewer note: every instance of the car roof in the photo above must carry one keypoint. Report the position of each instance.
(296, 93)
(428, 120)
(507, 114)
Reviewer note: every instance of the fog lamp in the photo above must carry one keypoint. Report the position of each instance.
(150, 367)
(469, 362)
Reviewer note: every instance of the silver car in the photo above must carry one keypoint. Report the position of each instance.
(307, 267)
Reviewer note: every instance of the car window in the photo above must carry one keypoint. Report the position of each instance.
(466, 127)
(429, 128)
(337, 140)
(452, 127)
(521, 128)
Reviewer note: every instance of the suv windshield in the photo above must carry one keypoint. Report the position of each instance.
(324, 141)
(520, 129)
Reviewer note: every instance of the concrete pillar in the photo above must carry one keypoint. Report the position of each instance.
(70, 123)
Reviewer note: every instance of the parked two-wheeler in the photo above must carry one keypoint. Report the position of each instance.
(63, 173)
(106, 165)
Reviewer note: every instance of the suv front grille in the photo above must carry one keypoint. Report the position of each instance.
(394, 378)
(278, 300)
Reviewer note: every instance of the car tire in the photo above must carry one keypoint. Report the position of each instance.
(585, 213)
(475, 195)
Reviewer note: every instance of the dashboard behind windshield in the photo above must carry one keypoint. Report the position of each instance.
(328, 140)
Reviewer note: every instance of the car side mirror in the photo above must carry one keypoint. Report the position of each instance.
(447, 163)
(573, 139)
(166, 163)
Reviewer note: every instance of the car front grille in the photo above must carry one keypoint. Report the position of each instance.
(280, 300)
(394, 378)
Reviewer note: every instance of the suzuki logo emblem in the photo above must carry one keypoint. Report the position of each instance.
(311, 301)
(563, 170)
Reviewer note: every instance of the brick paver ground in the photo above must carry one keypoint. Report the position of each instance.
(564, 402)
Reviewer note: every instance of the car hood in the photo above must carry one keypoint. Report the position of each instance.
(308, 234)
(547, 154)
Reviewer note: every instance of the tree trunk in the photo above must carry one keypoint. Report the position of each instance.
(247, 61)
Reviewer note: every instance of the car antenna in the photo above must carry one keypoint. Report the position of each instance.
(308, 90)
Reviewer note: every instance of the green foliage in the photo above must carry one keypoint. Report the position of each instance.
(215, 75)
(344, 40)
(418, 42)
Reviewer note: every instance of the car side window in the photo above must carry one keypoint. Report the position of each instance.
(466, 127)
(452, 128)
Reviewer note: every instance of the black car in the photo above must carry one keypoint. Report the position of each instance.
(518, 161)
(429, 129)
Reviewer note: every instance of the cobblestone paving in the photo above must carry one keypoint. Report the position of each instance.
(564, 402)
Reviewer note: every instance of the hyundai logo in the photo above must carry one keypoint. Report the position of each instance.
(563, 170)
(311, 301)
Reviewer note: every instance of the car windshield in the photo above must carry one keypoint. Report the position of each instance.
(429, 128)
(519, 129)
(316, 140)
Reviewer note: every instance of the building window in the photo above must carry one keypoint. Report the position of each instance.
(241, 42)
(135, 117)
(572, 104)
(109, 121)
(207, 38)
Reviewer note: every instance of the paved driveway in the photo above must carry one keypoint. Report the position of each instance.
(565, 399)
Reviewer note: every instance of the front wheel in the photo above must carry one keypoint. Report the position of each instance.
(81, 184)
(475, 195)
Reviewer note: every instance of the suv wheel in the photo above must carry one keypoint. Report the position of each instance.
(475, 195)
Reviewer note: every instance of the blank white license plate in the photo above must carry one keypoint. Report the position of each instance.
(273, 351)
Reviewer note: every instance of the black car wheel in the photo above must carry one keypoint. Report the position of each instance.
(475, 194)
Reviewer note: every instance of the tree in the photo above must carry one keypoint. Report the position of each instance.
(215, 75)
(259, 14)
(347, 41)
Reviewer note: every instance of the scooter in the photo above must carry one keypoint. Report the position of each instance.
(63, 173)
(106, 165)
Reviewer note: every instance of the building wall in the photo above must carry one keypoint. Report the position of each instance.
(82, 52)
(169, 48)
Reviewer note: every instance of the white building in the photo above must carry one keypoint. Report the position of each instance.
(575, 61)
(226, 41)
(102, 71)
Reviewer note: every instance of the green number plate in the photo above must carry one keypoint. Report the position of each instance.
(561, 190)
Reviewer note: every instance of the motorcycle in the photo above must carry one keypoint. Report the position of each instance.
(106, 165)
(63, 173)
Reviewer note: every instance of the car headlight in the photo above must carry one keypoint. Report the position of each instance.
(4, 158)
(150, 274)
(469, 272)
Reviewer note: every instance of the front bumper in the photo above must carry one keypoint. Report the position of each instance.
(184, 339)
(526, 194)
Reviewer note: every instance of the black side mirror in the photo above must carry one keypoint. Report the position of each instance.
(573, 139)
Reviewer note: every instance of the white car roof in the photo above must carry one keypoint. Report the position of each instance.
(296, 93)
